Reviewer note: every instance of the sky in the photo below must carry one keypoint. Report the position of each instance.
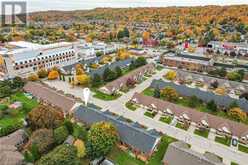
(44, 5)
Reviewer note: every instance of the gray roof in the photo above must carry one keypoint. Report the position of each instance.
(178, 153)
(137, 138)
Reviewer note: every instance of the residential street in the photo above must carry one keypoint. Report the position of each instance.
(198, 143)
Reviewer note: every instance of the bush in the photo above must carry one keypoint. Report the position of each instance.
(53, 74)
(42, 73)
(43, 139)
(63, 154)
(60, 134)
(79, 132)
(10, 128)
(33, 77)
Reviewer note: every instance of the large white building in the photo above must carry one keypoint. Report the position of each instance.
(22, 58)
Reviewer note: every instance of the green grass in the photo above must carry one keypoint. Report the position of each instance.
(223, 140)
(243, 148)
(131, 106)
(166, 119)
(104, 96)
(28, 105)
(159, 67)
(148, 92)
(233, 163)
(157, 157)
(123, 158)
(181, 126)
(150, 114)
(203, 133)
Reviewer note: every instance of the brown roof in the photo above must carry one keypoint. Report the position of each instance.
(49, 95)
(122, 80)
(237, 129)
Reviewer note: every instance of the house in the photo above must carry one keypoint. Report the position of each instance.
(50, 96)
(139, 140)
(179, 153)
(135, 75)
(10, 145)
(201, 120)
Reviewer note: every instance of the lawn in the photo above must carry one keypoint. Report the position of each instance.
(28, 105)
(150, 114)
(131, 106)
(223, 140)
(243, 148)
(233, 163)
(181, 126)
(157, 157)
(148, 92)
(203, 133)
(104, 96)
(166, 119)
(124, 158)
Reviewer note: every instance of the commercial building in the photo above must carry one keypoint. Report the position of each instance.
(22, 58)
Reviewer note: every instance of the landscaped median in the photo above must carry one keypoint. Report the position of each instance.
(223, 140)
(203, 133)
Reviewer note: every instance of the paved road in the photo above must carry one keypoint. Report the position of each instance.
(118, 106)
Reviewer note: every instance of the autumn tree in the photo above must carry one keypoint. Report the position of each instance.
(238, 114)
(101, 138)
(33, 77)
(171, 75)
(169, 93)
(44, 117)
(83, 79)
(53, 74)
(42, 73)
(81, 151)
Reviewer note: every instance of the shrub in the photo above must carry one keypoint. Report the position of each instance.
(43, 139)
(60, 134)
(63, 154)
(53, 74)
(42, 73)
(33, 77)
(79, 132)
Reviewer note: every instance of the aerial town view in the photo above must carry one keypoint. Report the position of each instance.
(124, 82)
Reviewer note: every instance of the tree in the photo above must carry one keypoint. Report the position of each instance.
(5, 91)
(17, 82)
(44, 117)
(118, 71)
(96, 80)
(156, 92)
(83, 79)
(234, 76)
(79, 69)
(212, 106)
(237, 114)
(108, 75)
(33, 77)
(60, 134)
(63, 154)
(101, 138)
(79, 144)
(140, 61)
(220, 90)
(53, 74)
(194, 101)
(146, 35)
(79, 132)
(169, 93)
(42, 73)
(171, 75)
(43, 139)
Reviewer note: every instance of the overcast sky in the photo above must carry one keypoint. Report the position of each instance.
(43, 5)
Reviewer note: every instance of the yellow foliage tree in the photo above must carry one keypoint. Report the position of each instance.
(79, 69)
(82, 79)
(79, 144)
(171, 75)
(220, 91)
(238, 114)
(1, 60)
(146, 35)
(53, 74)
(169, 93)
(33, 77)
(122, 54)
